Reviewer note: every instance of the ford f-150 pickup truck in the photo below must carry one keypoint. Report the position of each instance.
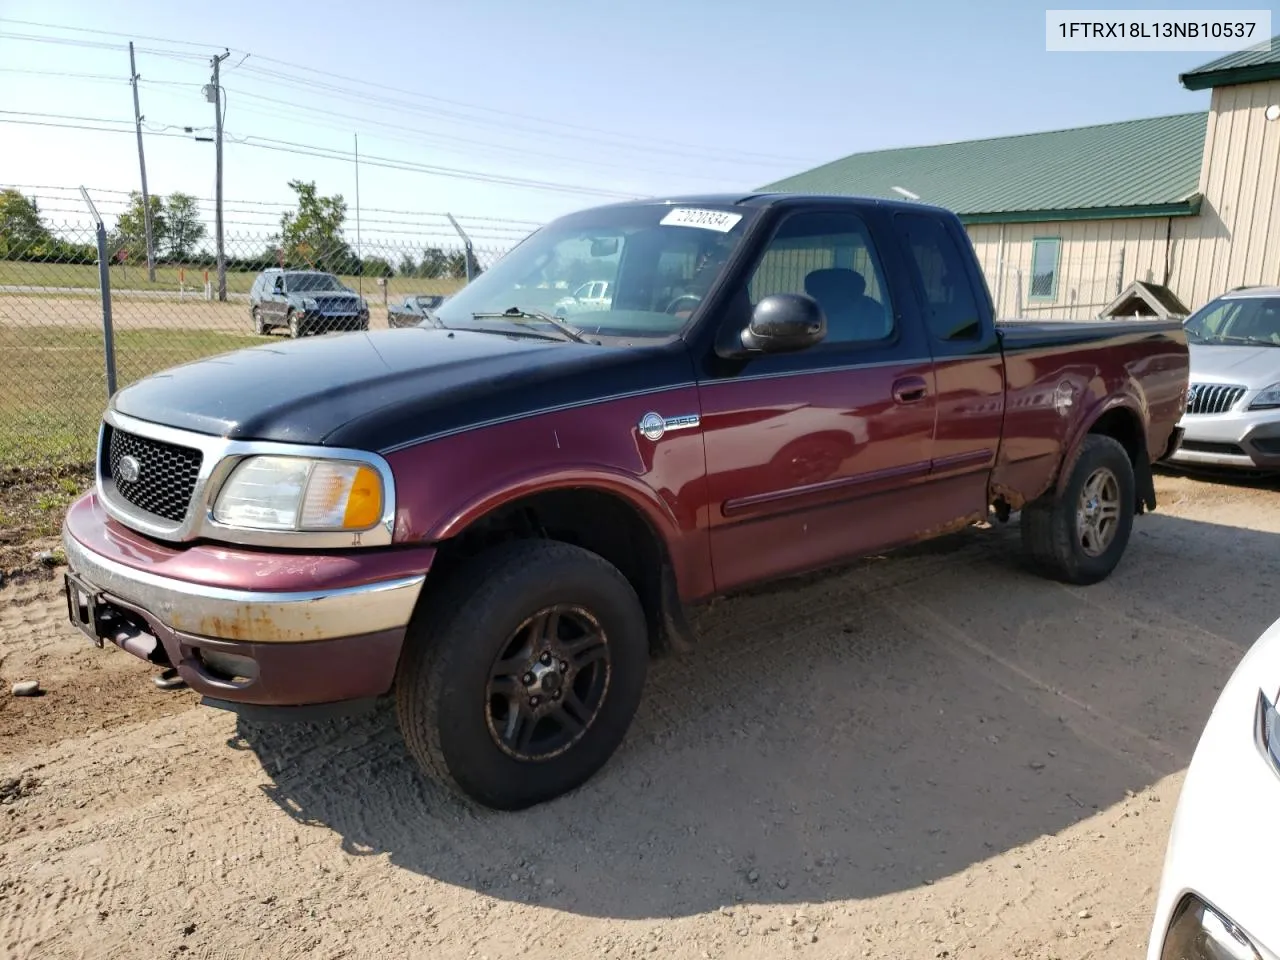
(499, 517)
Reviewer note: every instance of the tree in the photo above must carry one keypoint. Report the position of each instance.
(131, 229)
(22, 229)
(184, 226)
(376, 267)
(435, 264)
(312, 234)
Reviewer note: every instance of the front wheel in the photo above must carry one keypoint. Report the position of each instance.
(522, 683)
(259, 327)
(1080, 536)
(295, 328)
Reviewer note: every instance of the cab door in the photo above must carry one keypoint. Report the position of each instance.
(969, 367)
(823, 454)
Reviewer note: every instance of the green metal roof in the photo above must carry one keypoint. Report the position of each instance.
(1242, 66)
(1138, 168)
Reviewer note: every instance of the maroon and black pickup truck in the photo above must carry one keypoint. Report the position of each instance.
(499, 518)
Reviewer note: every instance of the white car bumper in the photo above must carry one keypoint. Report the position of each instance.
(1247, 438)
(1224, 842)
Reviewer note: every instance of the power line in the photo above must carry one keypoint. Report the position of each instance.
(593, 133)
(327, 153)
(98, 45)
(431, 137)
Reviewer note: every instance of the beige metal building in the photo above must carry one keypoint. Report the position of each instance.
(1065, 221)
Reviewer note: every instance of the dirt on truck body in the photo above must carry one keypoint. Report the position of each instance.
(499, 517)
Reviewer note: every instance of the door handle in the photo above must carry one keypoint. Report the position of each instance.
(910, 390)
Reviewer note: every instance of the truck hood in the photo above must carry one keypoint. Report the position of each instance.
(387, 388)
(1252, 367)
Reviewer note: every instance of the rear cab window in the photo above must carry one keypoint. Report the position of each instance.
(940, 271)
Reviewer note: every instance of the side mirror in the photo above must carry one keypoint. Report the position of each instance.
(604, 247)
(784, 322)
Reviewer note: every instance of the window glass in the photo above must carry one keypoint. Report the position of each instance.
(623, 270)
(951, 310)
(830, 257)
(1243, 320)
(1044, 268)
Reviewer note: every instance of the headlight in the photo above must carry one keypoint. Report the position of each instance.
(1198, 932)
(1267, 398)
(298, 493)
(308, 303)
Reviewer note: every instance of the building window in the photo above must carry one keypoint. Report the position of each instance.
(1044, 268)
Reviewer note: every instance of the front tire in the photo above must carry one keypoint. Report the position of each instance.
(295, 328)
(1080, 536)
(521, 682)
(259, 327)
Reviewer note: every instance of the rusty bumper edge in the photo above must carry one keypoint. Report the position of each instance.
(258, 616)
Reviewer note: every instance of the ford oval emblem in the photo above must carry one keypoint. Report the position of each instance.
(128, 469)
(653, 426)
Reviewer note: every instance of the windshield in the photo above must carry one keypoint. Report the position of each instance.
(1235, 321)
(633, 270)
(306, 282)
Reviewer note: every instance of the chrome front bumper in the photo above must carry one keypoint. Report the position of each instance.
(259, 616)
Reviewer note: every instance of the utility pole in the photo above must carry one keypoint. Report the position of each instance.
(359, 251)
(142, 167)
(217, 108)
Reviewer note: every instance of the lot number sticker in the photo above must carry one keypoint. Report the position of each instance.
(706, 219)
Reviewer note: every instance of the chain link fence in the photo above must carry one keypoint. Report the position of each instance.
(55, 344)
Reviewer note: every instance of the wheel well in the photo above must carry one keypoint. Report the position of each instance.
(1124, 426)
(597, 521)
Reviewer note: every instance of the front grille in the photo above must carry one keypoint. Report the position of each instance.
(166, 473)
(337, 305)
(1206, 398)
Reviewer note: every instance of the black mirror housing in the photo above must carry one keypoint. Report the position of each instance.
(783, 323)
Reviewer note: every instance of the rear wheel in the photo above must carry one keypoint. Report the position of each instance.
(1080, 536)
(522, 683)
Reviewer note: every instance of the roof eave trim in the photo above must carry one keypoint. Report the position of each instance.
(1232, 76)
(1189, 207)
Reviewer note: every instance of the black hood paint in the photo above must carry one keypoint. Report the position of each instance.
(387, 388)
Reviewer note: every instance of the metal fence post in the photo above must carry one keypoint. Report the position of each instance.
(104, 283)
(468, 251)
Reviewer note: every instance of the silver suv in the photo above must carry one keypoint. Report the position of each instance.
(1233, 401)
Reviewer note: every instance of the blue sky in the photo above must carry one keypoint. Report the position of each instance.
(651, 97)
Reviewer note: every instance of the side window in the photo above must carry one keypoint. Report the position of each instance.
(951, 310)
(1044, 268)
(830, 257)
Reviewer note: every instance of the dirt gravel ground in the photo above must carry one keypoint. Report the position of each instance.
(933, 754)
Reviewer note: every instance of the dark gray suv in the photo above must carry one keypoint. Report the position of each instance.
(305, 302)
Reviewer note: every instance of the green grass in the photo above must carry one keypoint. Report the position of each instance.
(19, 273)
(51, 400)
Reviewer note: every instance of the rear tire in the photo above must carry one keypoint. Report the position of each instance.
(1080, 536)
(474, 675)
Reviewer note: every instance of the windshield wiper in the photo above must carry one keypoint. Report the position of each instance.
(517, 314)
(1251, 341)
